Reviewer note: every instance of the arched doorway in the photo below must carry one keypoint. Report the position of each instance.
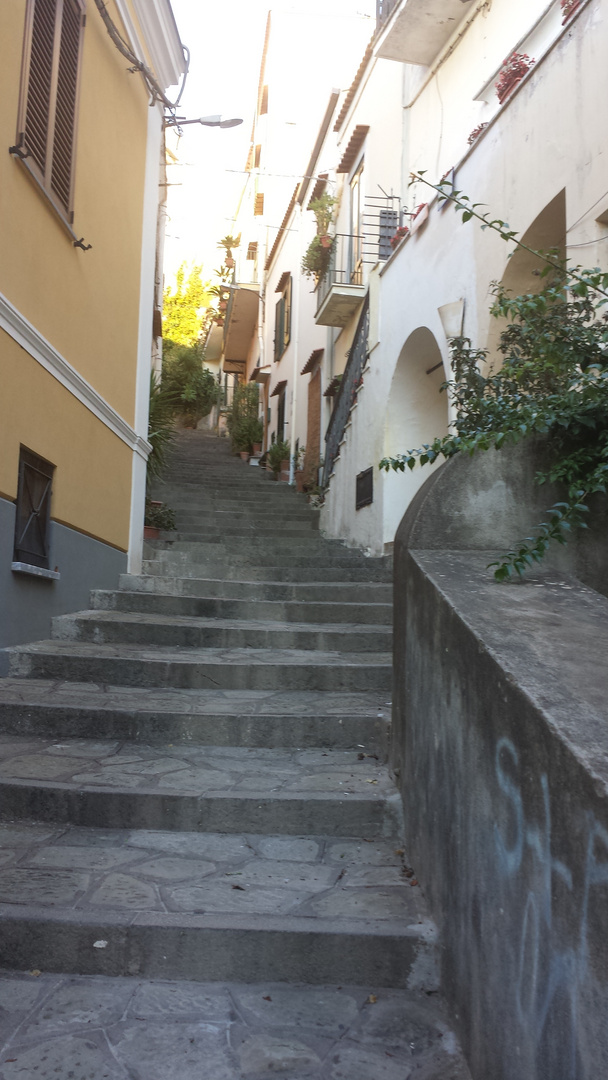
(417, 412)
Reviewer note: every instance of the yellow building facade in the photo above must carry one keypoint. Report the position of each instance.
(80, 183)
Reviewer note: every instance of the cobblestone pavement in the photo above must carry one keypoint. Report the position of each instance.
(55, 1027)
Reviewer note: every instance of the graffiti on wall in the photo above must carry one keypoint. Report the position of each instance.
(553, 955)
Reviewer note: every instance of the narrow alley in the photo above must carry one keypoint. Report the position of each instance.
(194, 795)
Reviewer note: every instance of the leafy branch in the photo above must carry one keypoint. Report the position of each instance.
(594, 279)
(553, 382)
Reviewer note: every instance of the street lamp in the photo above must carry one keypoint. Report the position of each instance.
(206, 121)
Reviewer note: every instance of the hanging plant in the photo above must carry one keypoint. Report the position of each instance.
(317, 259)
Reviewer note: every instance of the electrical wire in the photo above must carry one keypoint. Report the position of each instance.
(138, 65)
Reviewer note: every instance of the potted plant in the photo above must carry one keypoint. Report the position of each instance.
(158, 516)
(476, 132)
(229, 243)
(298, 465)
(317, 258)
(323, 209)
(402, 231)
(257, 434)
(512, 72)
(278, 457)
(193, 388)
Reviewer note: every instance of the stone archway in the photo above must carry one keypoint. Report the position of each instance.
(522, 272)
(416, 413)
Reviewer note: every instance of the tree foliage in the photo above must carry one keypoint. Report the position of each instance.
(189, 387)
(184, 306)
(553, 382)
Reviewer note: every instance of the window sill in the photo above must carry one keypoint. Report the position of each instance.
(35, 571)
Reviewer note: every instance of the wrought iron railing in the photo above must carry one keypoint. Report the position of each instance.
(351, 253)
(349, 386)
(384, 10)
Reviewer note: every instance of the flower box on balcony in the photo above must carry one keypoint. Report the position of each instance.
(568, 9)
(512, 72)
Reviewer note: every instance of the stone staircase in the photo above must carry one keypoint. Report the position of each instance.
(192, 772)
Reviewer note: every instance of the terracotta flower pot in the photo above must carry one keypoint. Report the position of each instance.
(257, 448)
(325, 240)
(244, 455)
(230, 263)
(300, 480)
(151, 533)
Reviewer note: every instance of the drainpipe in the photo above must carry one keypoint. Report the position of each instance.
(295, 309)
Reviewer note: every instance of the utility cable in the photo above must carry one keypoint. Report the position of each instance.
(137, 64)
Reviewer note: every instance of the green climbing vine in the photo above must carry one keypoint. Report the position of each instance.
(553, 381)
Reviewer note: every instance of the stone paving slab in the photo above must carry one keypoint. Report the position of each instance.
(195, 787)
(132, 1029)
(95, 870)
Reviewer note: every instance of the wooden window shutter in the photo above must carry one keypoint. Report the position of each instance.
(65, 106)
(47, 115)
(258, 206)
(257, 156)
(264, 101)
(252, 250)
(287, 314)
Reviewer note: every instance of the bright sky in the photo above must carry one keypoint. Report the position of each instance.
(225, 42)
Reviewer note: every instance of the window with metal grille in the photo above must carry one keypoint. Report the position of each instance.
(282, 320)
(49, 93)
(389, 222)
(365, 489)
(32, 520)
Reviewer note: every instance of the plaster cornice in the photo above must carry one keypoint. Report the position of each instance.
(159, 35)
(29, 338)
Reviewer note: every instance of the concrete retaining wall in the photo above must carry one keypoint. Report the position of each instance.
(501, 750)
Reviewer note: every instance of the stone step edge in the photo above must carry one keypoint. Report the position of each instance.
(221, 948)
(204, 622)
(231, 812)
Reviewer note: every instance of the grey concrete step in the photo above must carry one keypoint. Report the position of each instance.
(286, 534)
(252, 718)
(288, 567)
(190, 631)
(212, 607)
(196, 788)
(296, 584)
(122, 1028)
(158, 904)
(202, 669)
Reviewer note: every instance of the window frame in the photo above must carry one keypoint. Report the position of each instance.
(44, 176)
(28, 460)
(282, 320)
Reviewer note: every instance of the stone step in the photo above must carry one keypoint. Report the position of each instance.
(286, 534)
(252, 718)
(212, 607)
(285, 570)
(161, 1029)
(202, 669)
(196, 788)
(194, 632)
(219, 517)
(264, 547)
(329, 592)
(206, 906)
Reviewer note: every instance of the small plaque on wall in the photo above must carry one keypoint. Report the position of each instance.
(365, 489)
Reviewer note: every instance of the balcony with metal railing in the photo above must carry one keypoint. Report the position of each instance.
(342, 288)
